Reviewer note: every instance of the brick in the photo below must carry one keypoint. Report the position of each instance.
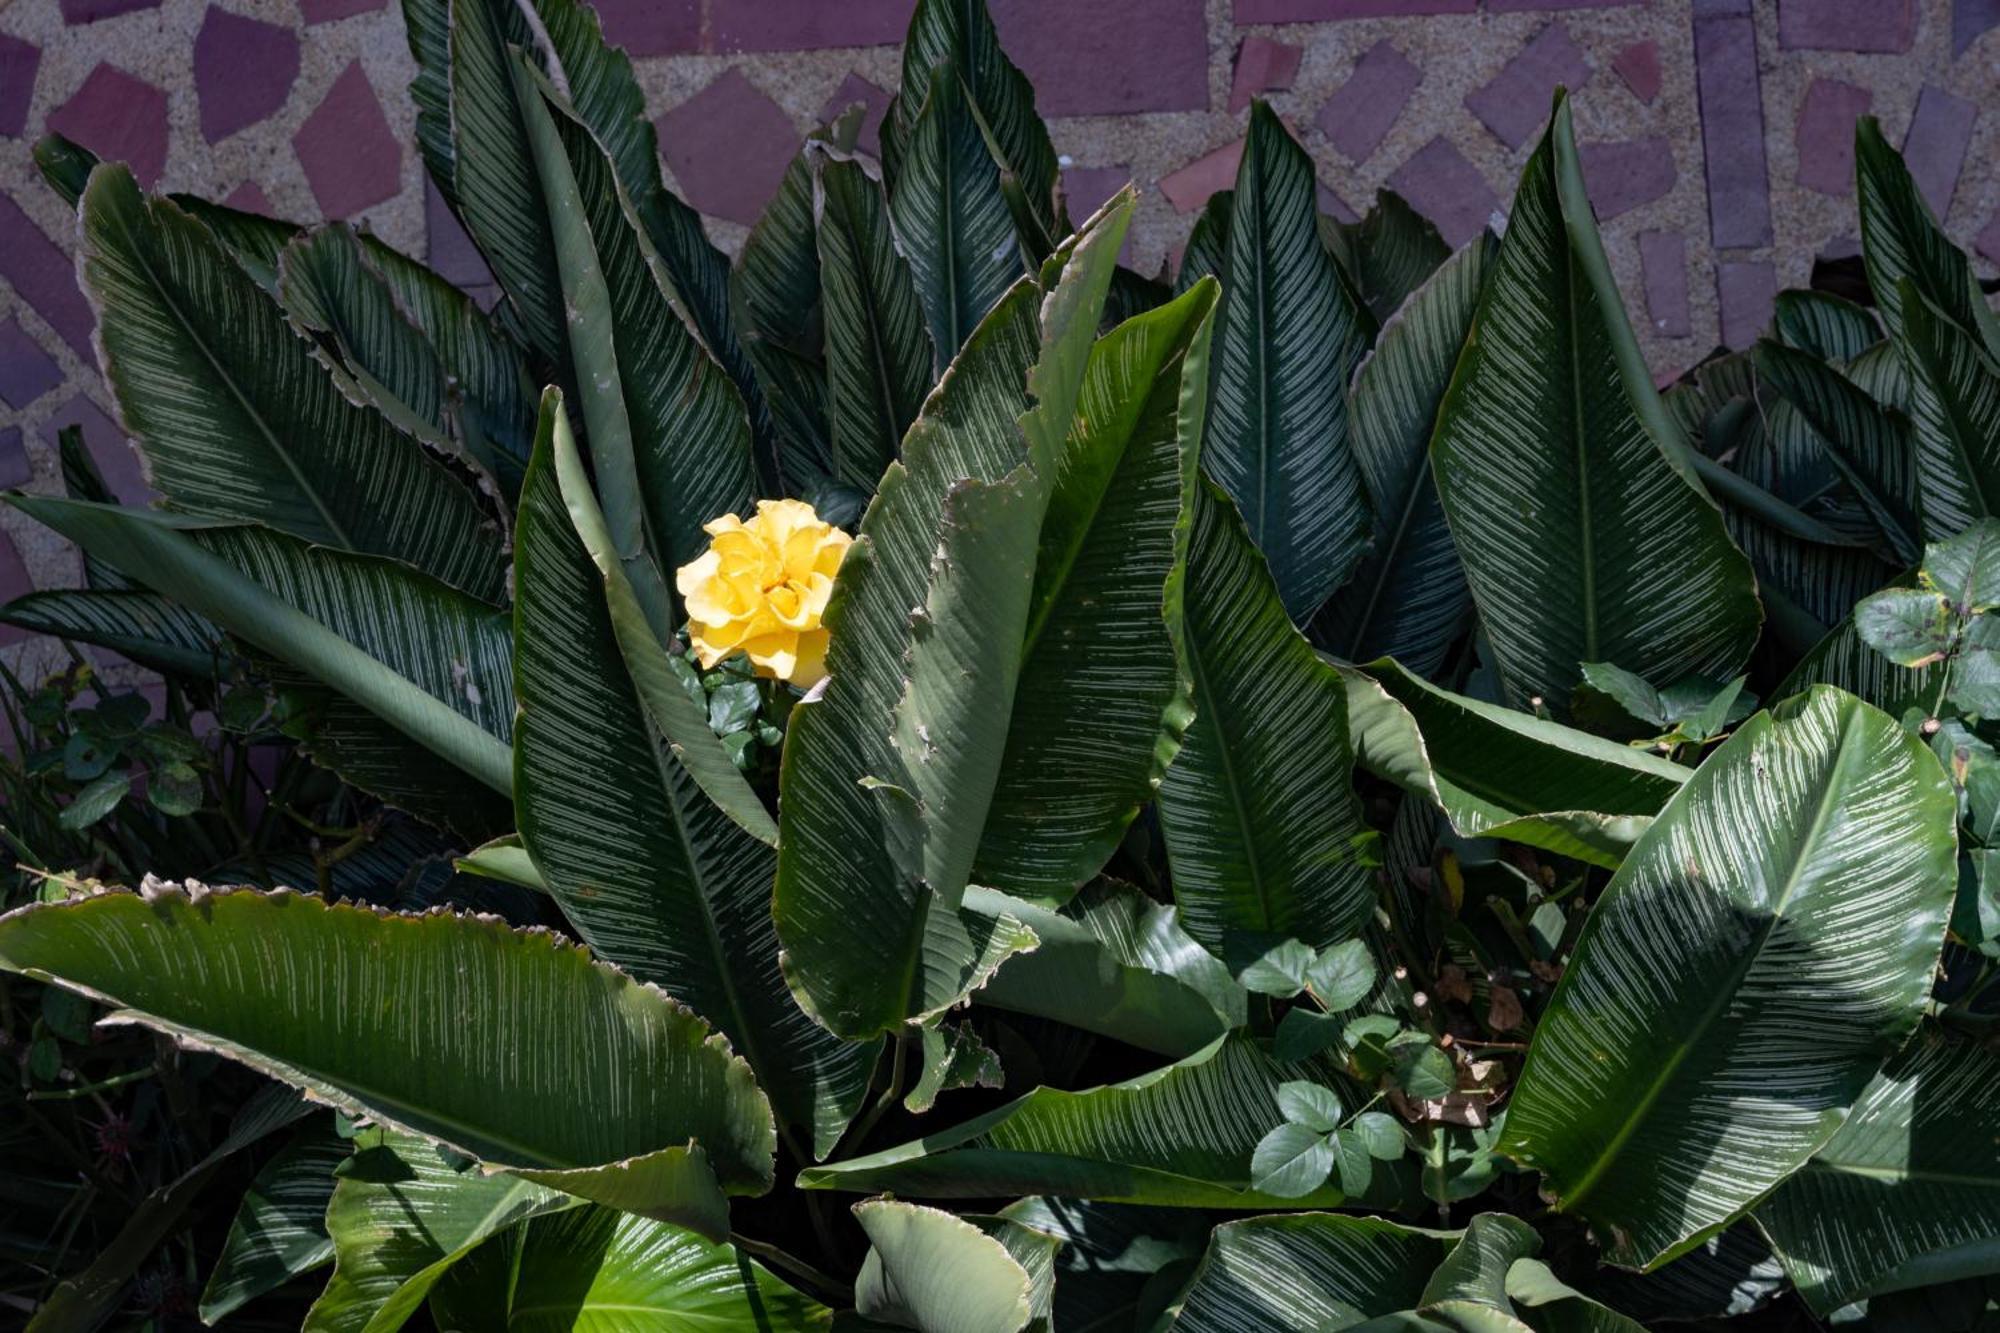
(1514, 104)
(120, 118)
(1362, 110)
(1732, 131)
(14, 582)
(651, 27)
(90, 11)
(1747, 291)
(44, 277)
(1086, 188)
(1825, 134)
(351, 158)
(1970, 20)
(1314, 11)
(1516, 6)
(15, 467)
(26, 371)
(1262, 66)
(876, 100)
(1940, 131)
(1622, 174)
(1439, 183)
(1639, 66)
(805, 25)
(1108, 57)
(244, 69)
(1846, 25)
(117, 458)
(1663, 269)
(249, 197)
(1189, 188)
(18, 62)
(327, 11)
(729, 146)
(1333, 205)
(447, 249)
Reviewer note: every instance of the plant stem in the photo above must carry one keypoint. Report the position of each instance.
(90, 1089)
(841, 1292)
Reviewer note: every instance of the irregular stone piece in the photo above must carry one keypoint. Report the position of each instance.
(1747, 291)
(1940, 132)
(1362, 110)
(1312, 11)
(1514, 104)
(805, 25)
(855, 89)
(1846, 25)
(729, 146)
(1663, 268)
(1639, 66)
(1825, 134)
(42, 275)
(119, 117)
(1262, 66)
(18, 62)
(1439, 183)
(1190, 187)
(15, 469)
(1622, 174)
(26, 371)
(351, 158)
(326, 11)
(244, 69)
(651, 27)
(1108, 57)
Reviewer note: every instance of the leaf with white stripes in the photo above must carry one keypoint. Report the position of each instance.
(934, 1272)
(1307, 1272)
(1407, 598)
(151, 630)
(879, 362)
(1181, 1136)
(1584, 534)
(651, 873)
(1258, 811)
(952, 220)
(1764, 947)
(1954, 417)
(424, 1023)
(238, 420)
(280, 1226)
(1842, 658)
(1901, 241)
(1907, 1193)
(1830, 327)
(1288, 335)
(1388, 254)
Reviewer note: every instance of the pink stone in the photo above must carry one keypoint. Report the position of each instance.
(1514, 104)
(805, 25)
(351, 158)
(117, 458)
(1747, 291)
(447, 248)
(1847, 25)
(15, 469)
(1439, 183)
(1639, 66)
(1313, 11)
(1108, 57)
(243, 71)
(18, 62)
(1515, 6)
(118, 117)
(1940, 132)
(326, 11)
(1825, 134)
(1333, 205)
(875, 103)
(1988, 240)
(249, 197)
(729, 146)
(651, 27)
(1970, 20)
(44, 277)
(90, 11)
(1663, 268)
(1732, 128)
(1086, 188)
(1262, 66)
(26, 371)
(14, 582)
(1623, 174)
(1362, 110)
(1189, 188)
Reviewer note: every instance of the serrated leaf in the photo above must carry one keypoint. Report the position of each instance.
(1291, 1161)
(1313, 1105)
(1342, 975)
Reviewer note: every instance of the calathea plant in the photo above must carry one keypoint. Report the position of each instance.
(1268, 826)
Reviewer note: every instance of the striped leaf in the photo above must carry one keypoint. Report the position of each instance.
(1584, 534)
(1764, 947)
(1307, 1272)
(151, 630)
(1830, 327)
(1287, 338)
(239, 421)
(632, 1101)
(1498, 773)
(591, 1270)
(952, 220)
(280, 1227)
(1181, 1136)
(879, 362)
(931, 1271)
(1901, 242)
(1954, 417)
(1207, 251)
(1258, 811)
(651, 873)
(1102, 699)
(1388, 254)
(1490, 1282)
(888, 775)
(1907, 1192)
(1408, 598)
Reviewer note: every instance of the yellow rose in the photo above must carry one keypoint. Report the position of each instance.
(761, 587)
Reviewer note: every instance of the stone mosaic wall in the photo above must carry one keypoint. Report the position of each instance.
(1717, 136)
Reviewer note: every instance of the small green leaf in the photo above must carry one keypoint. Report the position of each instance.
(1291, 1161)
(96, 801)
(1342, 976)
(175, 789)
(1381, 1133)
(1303, 1033)
(1356, 1163)
(1966, 568)
(45, 1058)
(1310, 1104)
(1281, 971)
(1909, 626)
(1425, 1072)
(66, 1013)
(85, 758)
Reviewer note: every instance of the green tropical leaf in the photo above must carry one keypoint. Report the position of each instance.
(1490, 1282)
(1954, 416)
(1844, 660)
(399, 1217)
(1102, 699)
(1830, 327)
(280, 1226)
(651, 873)
(149, 629)
(635, 1104)
(951, 217)
(1765, 946)
(237, 418)
(1907, 1192)
(1287, 338)
(1901, 242)
(936, 1273)
(1585, 536)
(1114, 962)
(1181, 1136)
(1307, 1272)
(1390, 253)
(1408, 597)
(1207, 252)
